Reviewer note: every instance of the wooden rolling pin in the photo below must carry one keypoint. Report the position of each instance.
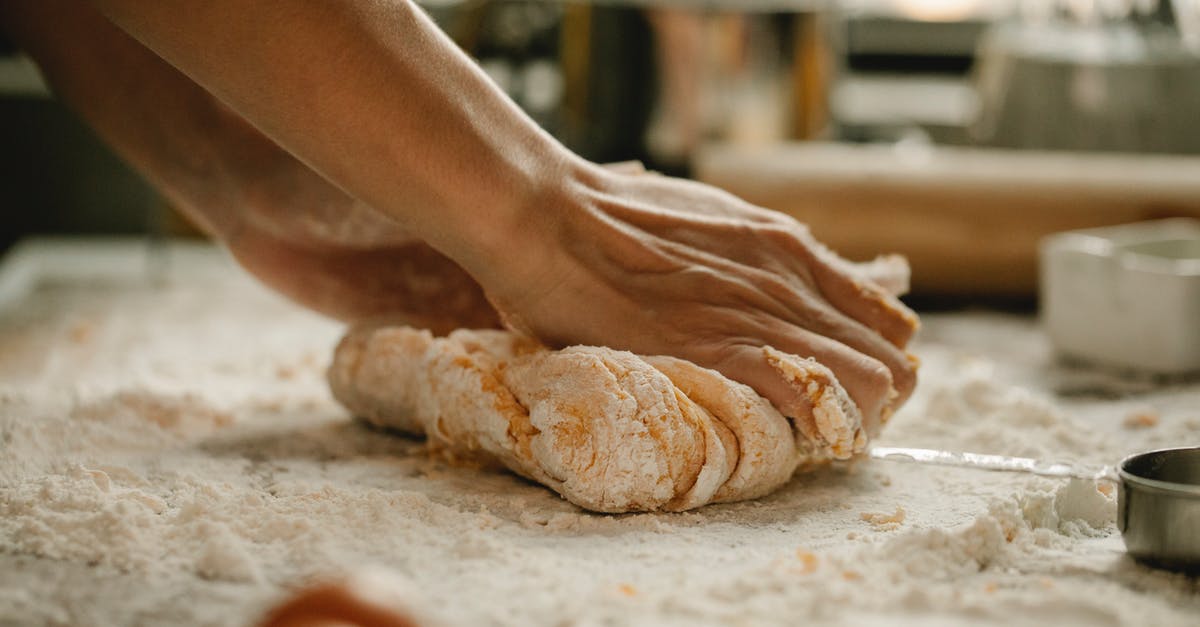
(969, 220)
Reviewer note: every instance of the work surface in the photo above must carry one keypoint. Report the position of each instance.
(169, 454)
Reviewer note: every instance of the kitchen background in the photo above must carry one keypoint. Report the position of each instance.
(958, 132)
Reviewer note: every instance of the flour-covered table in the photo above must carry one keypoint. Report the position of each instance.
(170, 454)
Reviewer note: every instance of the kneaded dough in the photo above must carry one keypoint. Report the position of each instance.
(609, 430)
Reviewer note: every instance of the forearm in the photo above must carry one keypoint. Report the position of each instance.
(213, 165)
(373, 96)
(285, 223)
(141, 108)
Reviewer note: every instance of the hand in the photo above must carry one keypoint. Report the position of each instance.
(405, 281)
(657, 265)
(306, 239)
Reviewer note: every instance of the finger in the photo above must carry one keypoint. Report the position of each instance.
(791, 258)
(809, 325)
(790, 300)
(632, 166)
(788, 304)
(859, 298)
(803, 390)
(847, 331)
(834, 415)
(868, 303)
(826, 412)
(869, 382)
(891, 272)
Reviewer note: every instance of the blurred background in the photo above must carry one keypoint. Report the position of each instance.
(957, 132)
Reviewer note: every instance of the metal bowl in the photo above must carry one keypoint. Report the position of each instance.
(1123, 87)
(1158, 507)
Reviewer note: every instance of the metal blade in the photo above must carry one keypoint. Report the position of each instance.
(991, 462)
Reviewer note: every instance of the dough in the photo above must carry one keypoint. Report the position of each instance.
(608, 430)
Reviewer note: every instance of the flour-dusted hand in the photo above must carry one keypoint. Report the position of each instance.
(662, 266)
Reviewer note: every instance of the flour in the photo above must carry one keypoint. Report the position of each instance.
(181, 462)
(971, 410)
(1082, 507)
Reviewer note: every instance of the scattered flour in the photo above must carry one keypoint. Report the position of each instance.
(970, 409)
(179, 461)
(1076, 509)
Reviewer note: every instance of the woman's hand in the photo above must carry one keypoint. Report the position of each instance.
(657, 265)
(321, 249)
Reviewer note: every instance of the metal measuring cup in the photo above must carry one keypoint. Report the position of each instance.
(1158, 495)
(1158, 507)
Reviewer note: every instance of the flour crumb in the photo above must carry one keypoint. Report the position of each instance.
(81, 332)
(809, 562)
(885, 522)
(1084, 509)
(1143, 419)
(224, 557)
(100, 478)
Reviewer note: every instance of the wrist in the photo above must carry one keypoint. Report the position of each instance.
(509, 239)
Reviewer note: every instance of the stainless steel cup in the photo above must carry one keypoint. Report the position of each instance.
(1158, 507)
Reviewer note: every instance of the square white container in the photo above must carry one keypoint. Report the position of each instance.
(1125, 296)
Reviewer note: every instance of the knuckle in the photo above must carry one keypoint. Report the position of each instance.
(781, 235)
(724, 351)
